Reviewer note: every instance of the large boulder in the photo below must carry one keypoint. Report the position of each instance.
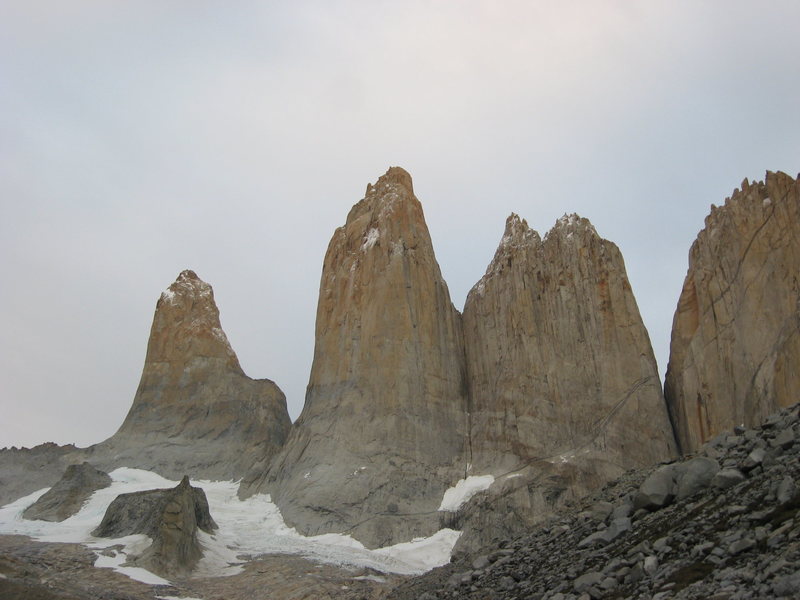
(170, 517)
(736, 332)
(68, 495)
(384, 428)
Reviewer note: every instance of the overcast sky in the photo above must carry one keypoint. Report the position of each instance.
(141, 138)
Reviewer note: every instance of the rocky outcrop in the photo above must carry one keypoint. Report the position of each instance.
(563, 385)
(735, 336)
(170, 517)
(195, 410)
(383, 430)
(26, 470)
(721, 536)
(67, 496)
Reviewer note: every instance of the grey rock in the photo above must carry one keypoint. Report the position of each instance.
(597, 538)
(658, 489)
(696, 476)
(506, 583)
(661, 544)
(592, 578)
(754, 459)
(786, 490)
(650, 565)
(703, 548)
(727, 478)
(67, 496)
(609, 583)
(784, 440)
(639, 550)
(741, 545)
(623, 510)
(616, 528)
(456, 579)
(601, 510)
(170, 517)
(636, 574)
(788, 586)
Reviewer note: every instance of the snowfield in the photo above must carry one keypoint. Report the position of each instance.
(247, 528)
(461, 492)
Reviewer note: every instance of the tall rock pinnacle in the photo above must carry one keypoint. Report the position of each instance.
(736, 332)
(195, 410)
(563, 382)
(383, 429)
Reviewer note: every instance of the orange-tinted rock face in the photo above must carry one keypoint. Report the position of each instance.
(195, 411)
(735, 344)
(383, 430)
(560, 365)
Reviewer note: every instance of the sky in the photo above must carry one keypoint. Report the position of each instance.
(138, 139)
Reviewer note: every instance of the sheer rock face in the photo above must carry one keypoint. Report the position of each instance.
(170, 517)
(735, 344)
(563, 382)
(383, 429)
(67, 496)
(195, 410)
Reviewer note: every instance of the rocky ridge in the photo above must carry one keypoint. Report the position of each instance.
(26, 470)
(735, 341)
(383, 429)
(722, 524)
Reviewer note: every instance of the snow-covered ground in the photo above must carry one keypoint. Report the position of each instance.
(458, 495)
(246, 528)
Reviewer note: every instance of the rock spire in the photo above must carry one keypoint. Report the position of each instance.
(563, 384)
(735, 342)
(383, 430)
(195, 410)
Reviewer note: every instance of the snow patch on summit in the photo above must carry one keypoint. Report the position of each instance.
(373, 235)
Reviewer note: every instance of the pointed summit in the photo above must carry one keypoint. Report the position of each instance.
(186, 325)
(383, 429)
(195, 411)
